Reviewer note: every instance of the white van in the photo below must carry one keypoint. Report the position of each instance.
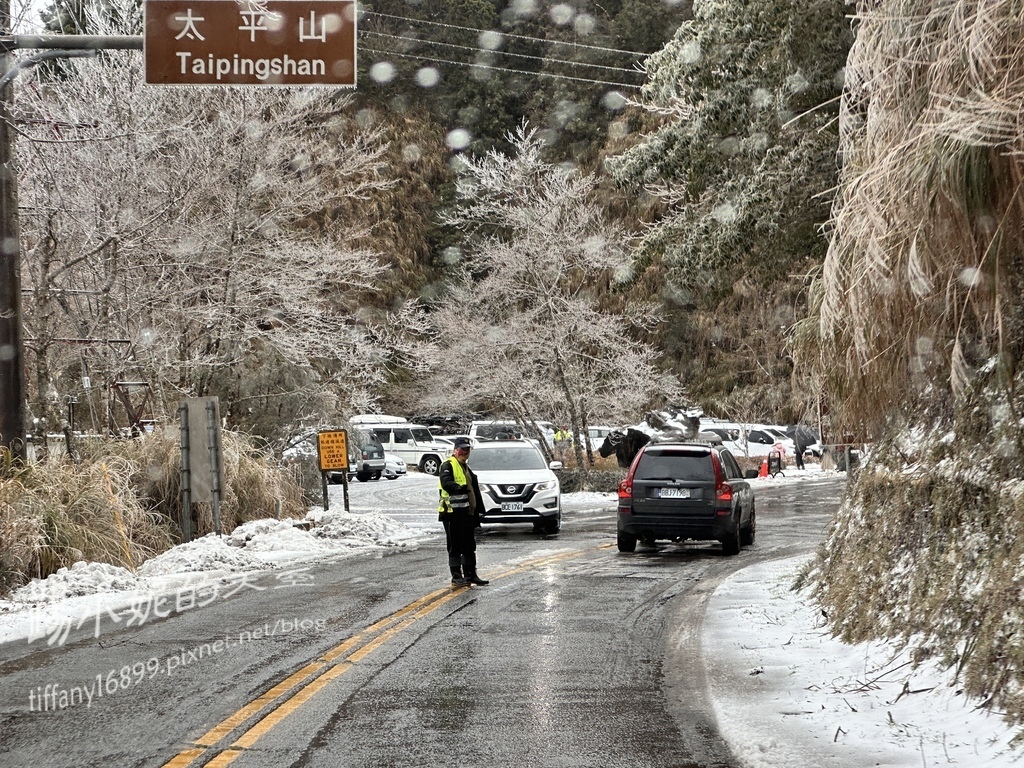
(413, 443)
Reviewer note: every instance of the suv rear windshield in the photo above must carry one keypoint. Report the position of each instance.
(675, 465)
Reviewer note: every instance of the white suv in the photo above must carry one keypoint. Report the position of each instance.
(413, 443)
(517, 484)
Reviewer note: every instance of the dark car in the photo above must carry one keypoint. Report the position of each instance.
(682, 491)
(365, 457)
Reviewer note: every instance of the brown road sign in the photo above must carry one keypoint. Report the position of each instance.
(276, 42)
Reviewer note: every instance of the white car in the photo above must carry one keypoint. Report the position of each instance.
(394, 466)
(517, 484)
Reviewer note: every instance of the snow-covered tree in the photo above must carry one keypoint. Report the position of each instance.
(741, 160)
(199, 240)
(522, 328)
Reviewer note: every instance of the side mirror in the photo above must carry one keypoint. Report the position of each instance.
(555, 465)
(750, 473)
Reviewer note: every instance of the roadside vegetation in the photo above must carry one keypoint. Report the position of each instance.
(917, 334)
(120, 503)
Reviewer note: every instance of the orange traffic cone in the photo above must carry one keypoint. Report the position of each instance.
(763, 471)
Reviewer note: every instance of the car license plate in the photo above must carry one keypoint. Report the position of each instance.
(673, 493)
(511, 506)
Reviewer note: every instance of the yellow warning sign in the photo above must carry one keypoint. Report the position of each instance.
(332, 448)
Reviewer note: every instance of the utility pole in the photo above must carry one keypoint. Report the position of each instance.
(12, 362)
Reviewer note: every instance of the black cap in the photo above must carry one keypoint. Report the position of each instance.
(462, 442)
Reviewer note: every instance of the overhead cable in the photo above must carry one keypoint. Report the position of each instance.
(508, 34)
(506, 53)
(505, 69)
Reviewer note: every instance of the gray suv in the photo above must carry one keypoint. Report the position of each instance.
(686, 491)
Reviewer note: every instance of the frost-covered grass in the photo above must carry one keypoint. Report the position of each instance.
(926, 548)
(121, 504)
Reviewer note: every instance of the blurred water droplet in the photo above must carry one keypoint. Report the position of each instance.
(451, 255)
(613, 101)
(970, 277)
(428, 77)
(725, 213)
(411, 153)
(523, 7)
(761, 98)
(729, 146)
(689, 52)
(490, 40)
(561, 14)
(383, 72)
(585, 24)
(458, 138)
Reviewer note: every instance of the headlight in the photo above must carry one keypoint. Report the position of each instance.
(546, 486)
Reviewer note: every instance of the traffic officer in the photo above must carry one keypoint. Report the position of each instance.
(458, 511)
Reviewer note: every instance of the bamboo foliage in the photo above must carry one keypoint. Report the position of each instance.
(926, 230)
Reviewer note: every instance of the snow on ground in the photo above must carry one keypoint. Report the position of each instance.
(785, 692)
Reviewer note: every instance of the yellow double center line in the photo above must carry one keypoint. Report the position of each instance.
(294, 691)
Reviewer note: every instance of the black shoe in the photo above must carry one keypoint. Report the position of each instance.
(474, 579)
(460, 582)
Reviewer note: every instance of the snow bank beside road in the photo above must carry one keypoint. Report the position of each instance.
(787, 694)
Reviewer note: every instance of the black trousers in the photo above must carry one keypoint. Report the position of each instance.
(460, 539)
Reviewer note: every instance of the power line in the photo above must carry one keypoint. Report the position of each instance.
(509, 53)
(508, 34)
(504, 69)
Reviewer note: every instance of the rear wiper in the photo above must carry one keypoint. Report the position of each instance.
(662, 479)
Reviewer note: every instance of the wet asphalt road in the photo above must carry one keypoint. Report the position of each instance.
(575, 655)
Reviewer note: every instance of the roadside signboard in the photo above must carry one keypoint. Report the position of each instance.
(275, 42)
(332, 448)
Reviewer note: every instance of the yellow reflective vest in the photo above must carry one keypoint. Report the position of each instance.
(457, 502)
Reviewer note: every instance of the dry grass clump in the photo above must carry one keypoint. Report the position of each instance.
(53, 515)
(121, 504)
(928, 228)
(917, 326)
(927, 548)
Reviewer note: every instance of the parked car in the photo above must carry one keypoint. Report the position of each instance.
(680, 491)
(597, 436)
(506, 429)
(412, 442)
(365, 454)
(517, 484)
(394, 467)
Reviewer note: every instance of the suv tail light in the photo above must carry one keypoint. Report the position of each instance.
(626, 486)
(723, 491)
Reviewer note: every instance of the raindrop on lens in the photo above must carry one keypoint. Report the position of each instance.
(458, 139)
(490, 40)
(761, 98)
(428, 77)
(383, 72)
(725, 213)
(561, 14)
(689, 53)
(585, 24)
(613, 101)
(970, 277)
(523, 7)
